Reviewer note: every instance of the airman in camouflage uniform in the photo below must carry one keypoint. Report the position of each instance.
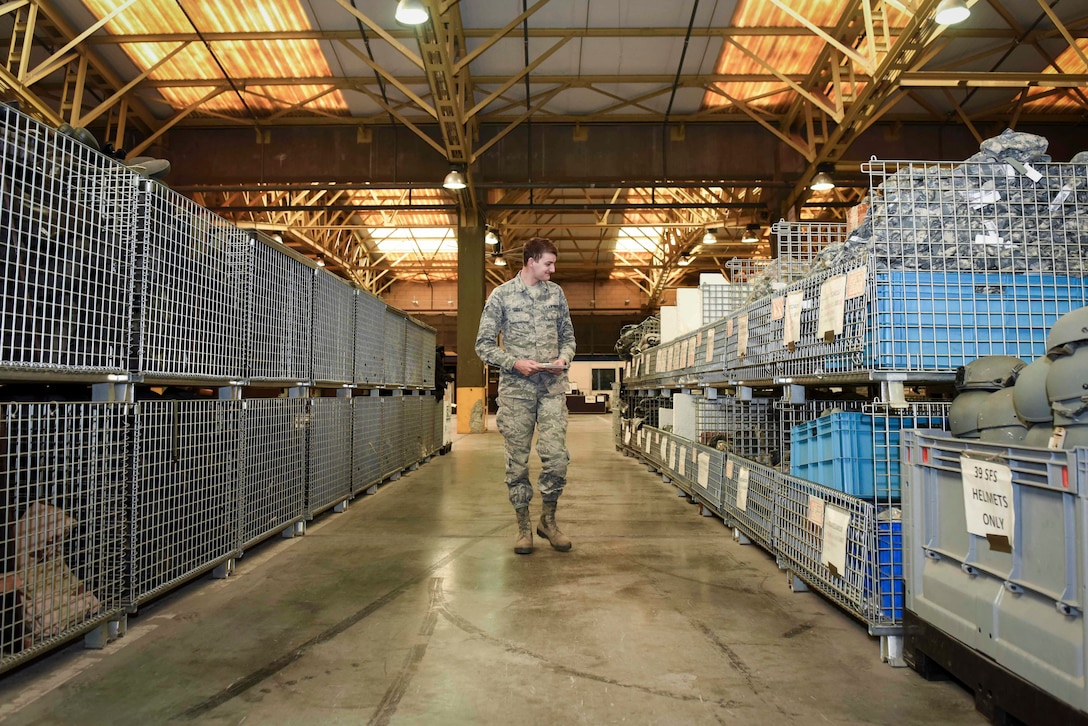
(532, 315)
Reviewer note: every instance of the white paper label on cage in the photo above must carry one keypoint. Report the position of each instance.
(692, 350)
(710, 346)
(728, 468)
(698, 339)
(704, 470)
(855, 282)
(683, 461)
(982, 197)
(989, 239)
(816, 510)
(665, 451)
(791, 326)
(836, 529)
(1059, 198)
(627, 437)
(729, 327)
(987, 498)
(742, 335)
(832, 306)
(742, 489)
(778, 308)
(676, 458)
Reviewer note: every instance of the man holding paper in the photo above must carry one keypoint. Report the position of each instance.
(532, 315)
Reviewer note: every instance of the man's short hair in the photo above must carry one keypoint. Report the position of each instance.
(536, 248)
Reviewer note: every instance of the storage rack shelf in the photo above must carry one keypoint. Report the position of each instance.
(115, 281)
(889, 311)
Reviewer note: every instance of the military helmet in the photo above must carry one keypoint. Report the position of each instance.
(1029, 392)
(1067, 387)
(963, 414)
(988, 373)
(997, 419)
(1068, 332)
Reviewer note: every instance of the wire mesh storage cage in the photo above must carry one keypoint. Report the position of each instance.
(396, 348)
(415, 338)
(412, 440)
(191, 292)
(430, 411)
(281, 314)
(370, 317)
(366, 442)
(799, 245)
(67, 230)
(720, 299)
(64, 468)
(329, 445)
(391, 451)
(184, 500)
(748, 428)
(273, 488)
(842, 546)
(750, 498)
(334, 329)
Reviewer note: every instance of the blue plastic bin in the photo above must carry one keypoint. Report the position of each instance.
(835, 451)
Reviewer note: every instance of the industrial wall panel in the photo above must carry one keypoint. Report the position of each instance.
(184, 492)
(369, 339)
(67, 231)
(63, 471)
(273, 490)
(333, 329)
(366, 442)
(395, 347)
(329, 480)
(281, 315)
(191, 290)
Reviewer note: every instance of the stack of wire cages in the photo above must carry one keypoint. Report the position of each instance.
(708, 361)
(333, 329)
(64, 469)
(281, 313)
(370, 351)
(961, 261)
(419, 355)
(192, 278)
(67, 225)
(430, 410)
(329, 445)
(184, 499)
(395, 347)
(412, 441)
(747, 428)
(744, 271)
(635, 340)
(273, 489)
(391, 445)
(366, 442)
(704, 467)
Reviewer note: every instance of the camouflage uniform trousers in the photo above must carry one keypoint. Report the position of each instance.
(516, 419)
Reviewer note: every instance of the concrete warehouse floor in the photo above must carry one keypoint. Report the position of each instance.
(411, 608)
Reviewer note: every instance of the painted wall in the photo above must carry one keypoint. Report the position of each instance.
(581, 374)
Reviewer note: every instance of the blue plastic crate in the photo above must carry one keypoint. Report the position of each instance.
(938, 321)
(835, 451)
(889, 569)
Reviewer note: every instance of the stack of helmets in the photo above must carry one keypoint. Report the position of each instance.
(975, 385)
(1067, 379)
(1032, 404)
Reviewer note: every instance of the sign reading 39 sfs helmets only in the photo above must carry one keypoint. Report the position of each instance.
(987, 500)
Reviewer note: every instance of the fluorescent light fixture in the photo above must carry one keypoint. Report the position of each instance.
(685, 260)
(950, 12)
(454, 180)
(751, 234)
(320, 261)
(709, 238)
(491, 238)
(500, 261)
(411, 12)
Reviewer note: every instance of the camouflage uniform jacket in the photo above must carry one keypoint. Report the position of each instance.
(535, 328)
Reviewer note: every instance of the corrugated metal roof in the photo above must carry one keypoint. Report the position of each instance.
(242, 59)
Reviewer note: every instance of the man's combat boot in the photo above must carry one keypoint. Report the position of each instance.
(524, 545)
(549, 531)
